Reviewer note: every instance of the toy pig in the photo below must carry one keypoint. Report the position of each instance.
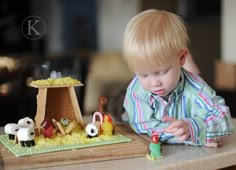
(155, 148)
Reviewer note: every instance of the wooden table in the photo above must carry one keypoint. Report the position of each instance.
(128, 156)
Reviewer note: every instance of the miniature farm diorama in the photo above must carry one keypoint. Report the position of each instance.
(58, 124)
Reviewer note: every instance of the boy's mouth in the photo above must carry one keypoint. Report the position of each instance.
(159, 92)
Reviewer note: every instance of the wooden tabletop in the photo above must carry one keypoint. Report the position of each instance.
(127, 156)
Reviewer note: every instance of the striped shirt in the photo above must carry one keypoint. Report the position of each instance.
(192, 100)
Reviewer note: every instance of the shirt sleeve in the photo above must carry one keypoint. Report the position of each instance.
(212, 120)
(141, 115)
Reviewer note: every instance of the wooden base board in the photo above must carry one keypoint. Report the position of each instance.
(136, 148)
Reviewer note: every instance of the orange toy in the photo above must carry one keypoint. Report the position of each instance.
(102, 104)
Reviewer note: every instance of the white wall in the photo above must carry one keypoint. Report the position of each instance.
(113, 16)
(228, 31)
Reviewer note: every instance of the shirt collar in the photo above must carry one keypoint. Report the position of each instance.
(180, 87)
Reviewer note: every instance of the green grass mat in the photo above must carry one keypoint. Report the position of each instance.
(75, 141)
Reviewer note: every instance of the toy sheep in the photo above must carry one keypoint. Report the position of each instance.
(11, 129)
(26, 136)
(92, 130)
(26, 122)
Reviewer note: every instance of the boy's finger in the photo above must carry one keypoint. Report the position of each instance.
(183, 138)
(168, 119)
(171, 130)
(179, 132)
(175, 124)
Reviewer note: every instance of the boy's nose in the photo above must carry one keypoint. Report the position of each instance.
(157, 83)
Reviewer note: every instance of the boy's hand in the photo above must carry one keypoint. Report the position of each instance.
(215, 144)
(178, 128)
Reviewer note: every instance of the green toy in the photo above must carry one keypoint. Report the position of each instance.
(155, 149)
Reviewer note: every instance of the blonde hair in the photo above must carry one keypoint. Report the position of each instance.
(152, 37)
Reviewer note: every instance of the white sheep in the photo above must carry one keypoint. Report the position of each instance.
(11, 129)
(91, 130)
(26, 122)
(26, 136)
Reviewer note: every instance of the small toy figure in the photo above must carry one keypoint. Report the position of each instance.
(11, 130)
(107, 127)
(47, 128)
(65, 122)
(71, 126)
(155, 149)
(102, 104)
(91, 130)
(25, 136)
(26, 122)
(94, 129)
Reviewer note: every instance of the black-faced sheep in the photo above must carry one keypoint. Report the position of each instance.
(11, 129)
(26, 136)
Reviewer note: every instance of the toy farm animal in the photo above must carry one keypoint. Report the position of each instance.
(11, 129)
(93, 129)
(26, 122)
(107, 127)
(25, 136)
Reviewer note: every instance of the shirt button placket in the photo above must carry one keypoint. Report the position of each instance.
(167, 107)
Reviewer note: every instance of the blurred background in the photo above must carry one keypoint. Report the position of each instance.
(47, 38)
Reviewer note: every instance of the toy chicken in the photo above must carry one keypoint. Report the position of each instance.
(155, 148)
(107, 127)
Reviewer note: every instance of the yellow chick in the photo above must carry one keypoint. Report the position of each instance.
(107, 127)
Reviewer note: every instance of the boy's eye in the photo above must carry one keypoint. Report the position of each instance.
(163, 72)
(143, 75)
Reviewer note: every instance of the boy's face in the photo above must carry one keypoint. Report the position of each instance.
(161, 80)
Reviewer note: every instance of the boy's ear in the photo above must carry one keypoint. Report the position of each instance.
(183, 56)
